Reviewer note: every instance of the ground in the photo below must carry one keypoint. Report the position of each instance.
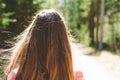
(100, 66)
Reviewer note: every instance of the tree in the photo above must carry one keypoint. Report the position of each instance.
(91, 22)
(97, 12)
(112, 11)
(101, 24)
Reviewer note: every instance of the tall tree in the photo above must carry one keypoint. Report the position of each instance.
(101, 24)
(91, 22)
(97, 12)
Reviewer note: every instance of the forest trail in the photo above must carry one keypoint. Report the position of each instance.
(92, 70)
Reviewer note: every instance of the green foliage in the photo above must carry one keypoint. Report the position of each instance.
(112, 3)
(38, 3)
(113, 13)
(5, 20)
(75, 12)
(84, 35)
(117, 31)
(5, 17)
(2, 5)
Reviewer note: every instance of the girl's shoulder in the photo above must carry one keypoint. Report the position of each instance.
(79, 75)
(12, 75)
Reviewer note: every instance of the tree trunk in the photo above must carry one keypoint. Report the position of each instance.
(97, 8)
(91, 23)
(101, 24)
(112, 37)
(112, 26)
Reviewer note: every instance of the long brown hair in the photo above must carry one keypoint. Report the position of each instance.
(43, 52)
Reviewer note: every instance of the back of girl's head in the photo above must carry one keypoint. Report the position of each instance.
(44, 52)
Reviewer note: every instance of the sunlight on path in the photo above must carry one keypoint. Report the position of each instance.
(90, 68)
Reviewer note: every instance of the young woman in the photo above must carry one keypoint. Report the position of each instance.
(43, 51)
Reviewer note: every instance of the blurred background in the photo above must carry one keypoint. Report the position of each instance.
(94, 25)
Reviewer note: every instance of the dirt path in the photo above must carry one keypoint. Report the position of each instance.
(91, 69)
